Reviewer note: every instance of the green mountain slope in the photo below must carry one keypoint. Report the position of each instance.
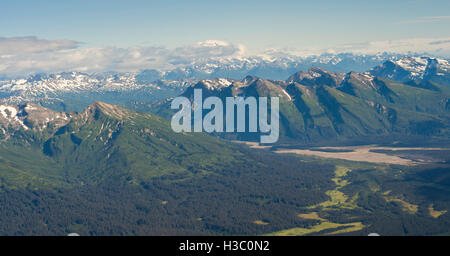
(109, 142)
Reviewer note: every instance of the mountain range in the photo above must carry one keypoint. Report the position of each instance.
(405, 98)
(273, 66)
(73, 91)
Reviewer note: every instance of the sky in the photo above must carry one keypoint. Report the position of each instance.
(36, 35)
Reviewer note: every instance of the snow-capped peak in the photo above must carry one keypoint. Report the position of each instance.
(412, 68)
(415, 65)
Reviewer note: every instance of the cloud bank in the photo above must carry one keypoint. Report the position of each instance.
(25, 55)
(32, 44)
(432, 46)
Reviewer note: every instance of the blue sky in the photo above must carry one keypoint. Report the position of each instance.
(127, 35)
(256, 24)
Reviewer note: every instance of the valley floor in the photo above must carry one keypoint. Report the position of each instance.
(365, 153)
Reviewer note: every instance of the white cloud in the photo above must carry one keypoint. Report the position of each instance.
(205, 50)
(25, 55)
(427, 46)
(32, 44)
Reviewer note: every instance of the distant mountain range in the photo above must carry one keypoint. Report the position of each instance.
(275, 68)
(74, 90)
(406, 96)
(271, 66)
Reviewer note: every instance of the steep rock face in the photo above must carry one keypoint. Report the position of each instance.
(98, 108)
(352, 80)
(265, 88)
(38, 117)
